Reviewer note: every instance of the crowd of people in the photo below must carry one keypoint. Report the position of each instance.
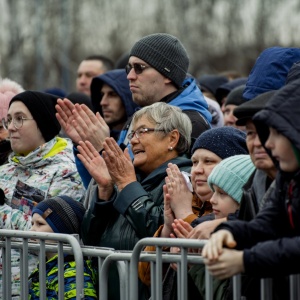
(142, 148)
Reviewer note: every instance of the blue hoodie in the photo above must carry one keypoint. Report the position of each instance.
(270, 70)
(117, 80)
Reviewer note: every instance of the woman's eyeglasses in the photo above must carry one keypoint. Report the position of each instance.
(138, 68)
(139, 132)
(17, 121)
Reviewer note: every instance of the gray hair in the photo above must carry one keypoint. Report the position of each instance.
(167, 118)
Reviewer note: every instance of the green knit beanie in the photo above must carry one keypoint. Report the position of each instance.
(231, 174)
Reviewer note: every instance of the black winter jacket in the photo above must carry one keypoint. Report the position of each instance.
(271, 241)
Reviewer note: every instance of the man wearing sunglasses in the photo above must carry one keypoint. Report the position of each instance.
(157, 71)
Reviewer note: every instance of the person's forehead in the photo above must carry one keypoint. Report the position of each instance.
(134, 60)
(18, 107)
(90, 65)
(107, 88)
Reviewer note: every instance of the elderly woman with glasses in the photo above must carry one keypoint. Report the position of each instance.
(125, 199)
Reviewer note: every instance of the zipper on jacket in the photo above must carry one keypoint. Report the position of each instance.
(289, 204)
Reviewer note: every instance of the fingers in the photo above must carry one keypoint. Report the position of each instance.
(111, 148)
(65, 107)
(181, 228)
(169, 185)
(63, 110)
(87, 149)
(127, 155)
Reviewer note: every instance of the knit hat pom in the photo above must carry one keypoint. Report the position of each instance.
(223, 141)
(165, 53)
(63, 214)
(231, 174)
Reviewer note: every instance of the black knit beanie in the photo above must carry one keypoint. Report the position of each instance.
(62, 213)
(223, 141)
(42, 108)
(165, 53)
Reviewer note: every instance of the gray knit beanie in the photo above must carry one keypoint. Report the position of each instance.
(231, 174)
(63, 214)
(165, 53)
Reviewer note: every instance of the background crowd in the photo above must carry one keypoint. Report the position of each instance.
(143, 148)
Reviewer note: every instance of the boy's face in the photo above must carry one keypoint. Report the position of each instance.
(39, 224)
(222, 203)
(282, 151)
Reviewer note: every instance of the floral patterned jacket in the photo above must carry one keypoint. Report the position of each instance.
(50, 168)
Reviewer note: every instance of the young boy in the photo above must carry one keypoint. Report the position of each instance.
(60, 215)
(226, 181)
(268, 246)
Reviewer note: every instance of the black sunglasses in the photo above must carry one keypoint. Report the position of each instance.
(138, 68)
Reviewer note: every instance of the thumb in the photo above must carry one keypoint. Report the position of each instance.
(229, 241)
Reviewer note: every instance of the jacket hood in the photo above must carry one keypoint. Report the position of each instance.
(282, 113)
(294, 73)
(191, 98)
(116, 79)
(270, 70)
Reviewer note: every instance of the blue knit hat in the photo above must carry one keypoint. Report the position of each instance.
(231, 174)
(63, 214)
(223, 141)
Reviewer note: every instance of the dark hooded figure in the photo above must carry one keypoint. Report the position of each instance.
(112, 98)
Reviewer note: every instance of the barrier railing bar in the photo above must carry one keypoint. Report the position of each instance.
(65, 238)
(158, 242)
(104, 271)
(266, 289)
(237, 287)
(60, 261)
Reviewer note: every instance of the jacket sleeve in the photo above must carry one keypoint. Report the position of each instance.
(271, 246)
(83, 172)
(14, 219)
(270, 223)
(67, 182)
(273, 258)
(143, 210)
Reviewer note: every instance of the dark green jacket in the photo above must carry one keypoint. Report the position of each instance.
(132, 214)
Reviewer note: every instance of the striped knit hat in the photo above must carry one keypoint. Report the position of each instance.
(231, 174)
(63, 214)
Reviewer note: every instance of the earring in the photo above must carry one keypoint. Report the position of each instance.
(170, 148)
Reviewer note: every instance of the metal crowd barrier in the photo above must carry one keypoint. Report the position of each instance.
(126, 261)
(24, 246)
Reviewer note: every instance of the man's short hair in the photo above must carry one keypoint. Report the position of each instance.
(107, 62)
